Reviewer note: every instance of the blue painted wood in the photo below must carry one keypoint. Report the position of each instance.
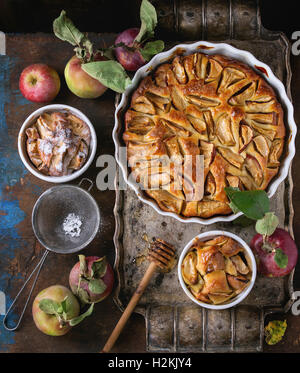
(11, 171)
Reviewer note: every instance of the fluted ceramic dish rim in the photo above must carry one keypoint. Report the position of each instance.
(22, 143)
(207, 48)
(237, 299)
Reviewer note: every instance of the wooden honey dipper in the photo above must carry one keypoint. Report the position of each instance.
(161, 254)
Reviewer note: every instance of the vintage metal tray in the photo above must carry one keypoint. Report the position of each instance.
(173, 322)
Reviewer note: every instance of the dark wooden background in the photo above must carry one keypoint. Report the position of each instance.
(114, 16)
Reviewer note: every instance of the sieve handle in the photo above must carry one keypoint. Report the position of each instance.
(89, 181)
(38, 269)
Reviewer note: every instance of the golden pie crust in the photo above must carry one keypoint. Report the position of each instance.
(203, 105)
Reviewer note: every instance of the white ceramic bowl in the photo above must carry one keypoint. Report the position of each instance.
(205, 237)
(208, 48)
(22, 143)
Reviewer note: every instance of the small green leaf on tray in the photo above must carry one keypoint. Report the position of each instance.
(281, 259)
(275, 331)
(151, 48)
(148, 21)
(253, 203)
(267, 225)
(65, 30)
(109, 73)
(97, 286)
(49, 306)
(78, 319)
(99, 267)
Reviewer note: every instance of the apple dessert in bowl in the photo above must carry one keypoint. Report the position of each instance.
(217, 269)
(57, 143)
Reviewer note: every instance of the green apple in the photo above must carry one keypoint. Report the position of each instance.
(81, 83)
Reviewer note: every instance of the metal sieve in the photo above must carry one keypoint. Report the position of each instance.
(48, 215)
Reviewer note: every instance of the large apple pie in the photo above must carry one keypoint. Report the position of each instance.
(203, 105)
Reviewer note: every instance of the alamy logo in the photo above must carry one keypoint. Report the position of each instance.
(296, 305)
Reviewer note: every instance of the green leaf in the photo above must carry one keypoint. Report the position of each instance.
(151, 49)
(148, 21)
(267, 225)
(99, 267)
(253, 203)
(233, 207)
(65, 30)
(83, 296)
(109, 73)
(49, 306)
(281, 259)
(97, 286)
(78, 319)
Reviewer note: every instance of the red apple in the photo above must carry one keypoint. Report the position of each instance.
(130, 60)
(81, 83)
(91, 279)
(49, 323)
(39, 83)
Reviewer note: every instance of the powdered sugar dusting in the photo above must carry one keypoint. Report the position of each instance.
(72, 224)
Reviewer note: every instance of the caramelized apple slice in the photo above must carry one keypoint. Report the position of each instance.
(178, 70)
(246, 136)
(216, 282)
(230, 76)
(223, 130)
(233, 158)
(203, 256)
(220, 298)
(230, 267)
(230, 248)
(216, 262)
(188, 269)
(143, 105)
(261, 145)
(254, 168)
(237, 282)
(240, 265)
(239, 97)
(275, 152)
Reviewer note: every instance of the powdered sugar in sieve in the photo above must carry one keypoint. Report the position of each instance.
(72, 224)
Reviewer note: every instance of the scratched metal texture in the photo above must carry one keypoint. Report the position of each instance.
(173, 322)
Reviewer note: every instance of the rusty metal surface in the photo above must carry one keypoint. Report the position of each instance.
(174, 323)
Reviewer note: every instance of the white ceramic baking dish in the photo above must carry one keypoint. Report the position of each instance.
(239, 298)
(22, 143)
(208, 48)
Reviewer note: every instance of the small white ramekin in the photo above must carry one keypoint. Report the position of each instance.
(22, 143)
(205, 237)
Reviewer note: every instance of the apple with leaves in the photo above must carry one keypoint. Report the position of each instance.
(56, 310)
(89, 72)
(275, 250)
(78, 81)
(133, 49)
(91, 279)
(81, 83)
